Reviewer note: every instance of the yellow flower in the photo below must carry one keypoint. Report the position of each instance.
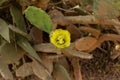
(60, 38)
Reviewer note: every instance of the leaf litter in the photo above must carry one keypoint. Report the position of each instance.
(93, 50)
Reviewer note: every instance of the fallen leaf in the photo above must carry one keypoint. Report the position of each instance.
(63, 61)
(104, 37)
(60, 73)
(4, 30)
(11, 53)
(25, 45)
(72, 52)
(93, 31)
(48, 63)
(24, 70)
(85, 43)
(74, 32)
(36, 35)
(57, 18)
(4, 71)
(49, 48)
(41, 71)
(18, 18)
(46, 47)
(42, 4)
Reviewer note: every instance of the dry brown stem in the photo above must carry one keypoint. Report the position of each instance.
(77, 69)
(89, 19)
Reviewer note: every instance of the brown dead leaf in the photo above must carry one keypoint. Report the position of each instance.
(85, 43)
(42, 4)
(97, 44)
(75, 33)
(58, 18)
(76, 67)
(60, 73)
(93, 31)
(72, 52)
(63, 61)
(24, 70)
(105, 37)
(5, 71)
(55, 14)
(48, 63)
(15, 53)
(41, 71)
(47, 47)
(36, 35)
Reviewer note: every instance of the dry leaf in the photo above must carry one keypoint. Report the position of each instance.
(41, 71)
(75, 33)
(5, 71)
(58, 18)
(60, 72)
(71, 52)
(85, 43)
(63, 61)
(97, 44)
(15, 53)
(42, 4)
(93, 31)
(24, 70)
(36, 35)
(105, 37)
(47, 47)
(48, 63)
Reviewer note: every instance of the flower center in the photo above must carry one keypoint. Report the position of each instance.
(60, 40)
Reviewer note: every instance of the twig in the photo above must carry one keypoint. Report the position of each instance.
(89, 19)
(77, 68)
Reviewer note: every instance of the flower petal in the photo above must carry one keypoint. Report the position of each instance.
(60, 38)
